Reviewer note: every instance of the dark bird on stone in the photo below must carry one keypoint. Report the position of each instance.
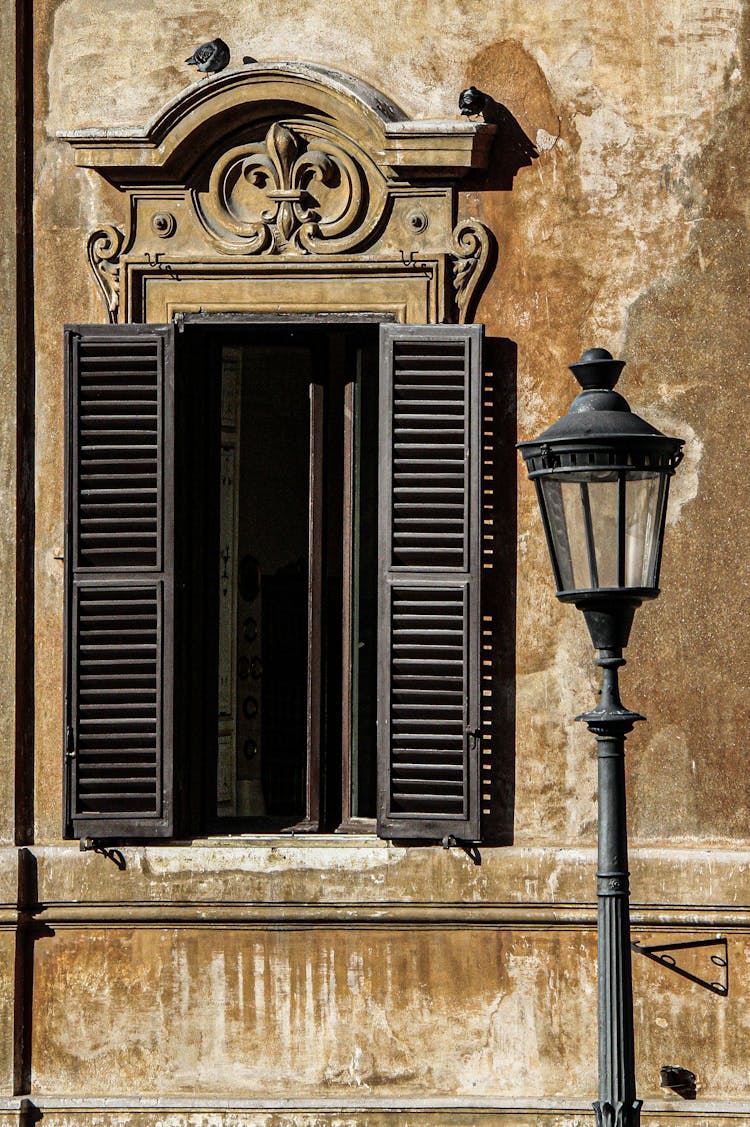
(471, 101)
(210, 58)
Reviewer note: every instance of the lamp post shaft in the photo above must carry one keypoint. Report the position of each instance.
(617, 1105)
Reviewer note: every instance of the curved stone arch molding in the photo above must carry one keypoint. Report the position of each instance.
(257, 91)
(228, 101)
(291, 160)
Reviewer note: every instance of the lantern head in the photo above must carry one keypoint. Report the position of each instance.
(602, 479)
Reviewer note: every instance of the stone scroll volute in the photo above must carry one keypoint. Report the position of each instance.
(104, 245)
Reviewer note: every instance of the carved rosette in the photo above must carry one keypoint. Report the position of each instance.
(104, 246)
(471, 250)
(298, 191)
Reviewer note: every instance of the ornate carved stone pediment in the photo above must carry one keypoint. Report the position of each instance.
(294, 180)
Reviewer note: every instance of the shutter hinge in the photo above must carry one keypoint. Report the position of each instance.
(474, 736)
(179, 320)
(70, 743)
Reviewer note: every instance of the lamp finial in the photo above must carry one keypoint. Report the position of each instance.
(597, 370)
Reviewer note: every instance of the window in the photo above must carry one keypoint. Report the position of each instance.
(272, 566)
(284, 435)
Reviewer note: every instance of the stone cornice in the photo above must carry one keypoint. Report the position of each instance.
(242, 97)
(363, 882)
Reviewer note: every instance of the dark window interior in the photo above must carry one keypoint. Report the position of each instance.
(276, 563)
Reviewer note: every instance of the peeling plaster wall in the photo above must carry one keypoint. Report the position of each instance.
(287, 1013)
(628, 230)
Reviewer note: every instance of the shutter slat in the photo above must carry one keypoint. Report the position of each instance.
(429, 609)
(119, 581)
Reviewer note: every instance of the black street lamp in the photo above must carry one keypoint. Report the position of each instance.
(602, 478)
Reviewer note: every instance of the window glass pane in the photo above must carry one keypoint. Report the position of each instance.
(364, 585)
(281, 712)
(263, 619)
(229, 465)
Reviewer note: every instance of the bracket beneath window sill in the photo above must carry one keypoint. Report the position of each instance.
(471, 849)
(116, 856)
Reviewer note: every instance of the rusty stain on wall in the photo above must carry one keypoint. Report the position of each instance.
(289, 1008)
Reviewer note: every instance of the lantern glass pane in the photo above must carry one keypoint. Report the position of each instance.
(586, 514)
(552, 501)
(575, 519)
(603, 500)
(643, 508)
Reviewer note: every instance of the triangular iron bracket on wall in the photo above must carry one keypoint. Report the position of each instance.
(662, 953)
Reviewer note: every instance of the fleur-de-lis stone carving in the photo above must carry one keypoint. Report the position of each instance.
(284, 173)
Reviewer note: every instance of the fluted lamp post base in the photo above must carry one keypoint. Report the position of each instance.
(617, 1115)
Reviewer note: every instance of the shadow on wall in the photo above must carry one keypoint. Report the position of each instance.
(499, 531)
(511, 150)
(28, 932)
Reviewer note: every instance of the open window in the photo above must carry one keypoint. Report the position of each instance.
(272, 579)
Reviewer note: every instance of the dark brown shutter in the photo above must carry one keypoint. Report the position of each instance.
(429, 615)
(119, 580)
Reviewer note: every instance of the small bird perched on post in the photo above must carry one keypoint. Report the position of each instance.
(210, 58)
(472, 101)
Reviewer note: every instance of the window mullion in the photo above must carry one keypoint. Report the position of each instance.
(315, 608)
(348, 655)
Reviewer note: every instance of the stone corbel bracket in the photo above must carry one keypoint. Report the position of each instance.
(104, 245)
(472, 247)
(293, 162)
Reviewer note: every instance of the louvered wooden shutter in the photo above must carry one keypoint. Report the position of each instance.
(119, 580)
(429, 615)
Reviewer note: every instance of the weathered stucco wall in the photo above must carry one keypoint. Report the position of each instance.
(628, 230)
(348, 971)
